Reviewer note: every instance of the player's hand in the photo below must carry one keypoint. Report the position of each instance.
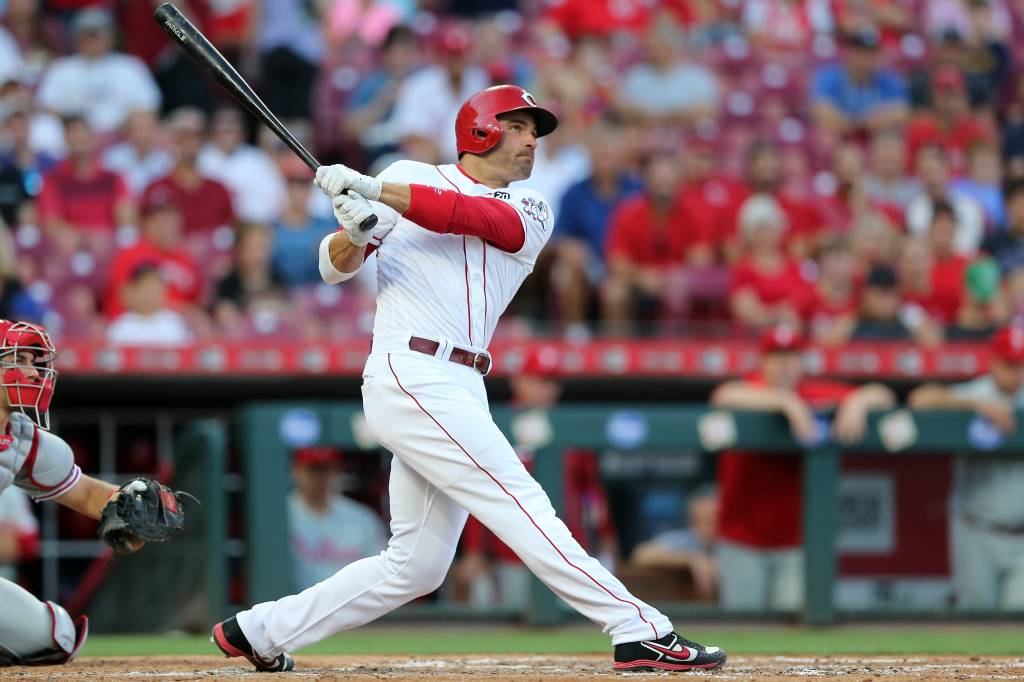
(337, 179)
(351, 210)
(801, 420)
(999, 412)
(850, 422)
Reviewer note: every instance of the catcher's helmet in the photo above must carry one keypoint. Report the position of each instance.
(477, 128)
(29, 392)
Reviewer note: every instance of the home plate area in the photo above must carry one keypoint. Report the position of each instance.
(519, 667)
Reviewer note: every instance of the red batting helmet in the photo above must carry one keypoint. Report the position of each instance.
(477, 128)
(27, 390)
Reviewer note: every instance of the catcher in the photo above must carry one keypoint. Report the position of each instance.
(42, 633)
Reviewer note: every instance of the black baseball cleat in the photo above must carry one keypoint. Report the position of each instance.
(230, 639)
(671, 653)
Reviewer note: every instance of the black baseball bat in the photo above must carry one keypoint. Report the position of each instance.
(192, 41)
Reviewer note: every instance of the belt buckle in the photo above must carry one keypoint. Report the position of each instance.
(476, 362)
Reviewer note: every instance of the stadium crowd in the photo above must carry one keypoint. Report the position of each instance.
(853, 166)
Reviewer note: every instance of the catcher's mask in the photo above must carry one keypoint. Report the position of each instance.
(26, 369)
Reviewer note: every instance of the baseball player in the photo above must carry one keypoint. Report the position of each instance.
(33, 632)
(453, 244)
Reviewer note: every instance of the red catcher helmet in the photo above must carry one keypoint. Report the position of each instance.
(26, 392)
(477, 128)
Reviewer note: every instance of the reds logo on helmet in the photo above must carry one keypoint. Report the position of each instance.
(28, 383)
(477, 129)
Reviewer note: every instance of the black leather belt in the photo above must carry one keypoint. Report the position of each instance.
(481, 362)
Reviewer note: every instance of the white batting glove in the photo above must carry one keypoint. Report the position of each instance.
(336, 179)
(351, 209)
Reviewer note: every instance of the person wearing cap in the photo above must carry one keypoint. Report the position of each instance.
(858, 93)
(205, 203)
(297, 232)
(949, 121)
(650, 238)
(984, 307)
(766, 284)
(760, 517)
(97, 82)
(327, 530)
(161, 242)
(987, 516)
(488, 571)
(429, 98)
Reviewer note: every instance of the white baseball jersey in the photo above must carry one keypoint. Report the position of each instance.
(450, 286)
(42, 463)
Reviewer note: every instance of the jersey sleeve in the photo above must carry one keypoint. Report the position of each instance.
(49, 470)
(537, 217)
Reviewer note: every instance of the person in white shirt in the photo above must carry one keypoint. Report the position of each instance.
(147, 321)
(141, 157)
(327, 529)
(453, 243)
(933, 172)
(256, 185)
(97, 82)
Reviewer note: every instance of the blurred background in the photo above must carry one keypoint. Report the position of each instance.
(817, 203)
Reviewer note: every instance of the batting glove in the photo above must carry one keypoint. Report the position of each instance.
(351, 209)
(335, 180)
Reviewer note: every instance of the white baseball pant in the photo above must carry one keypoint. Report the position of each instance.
(450, 459)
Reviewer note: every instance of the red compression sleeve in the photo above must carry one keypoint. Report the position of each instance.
(445, 211)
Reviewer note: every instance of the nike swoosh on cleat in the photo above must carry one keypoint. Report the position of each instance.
(675, 655)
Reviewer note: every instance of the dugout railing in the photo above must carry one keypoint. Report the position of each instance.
(266, 431)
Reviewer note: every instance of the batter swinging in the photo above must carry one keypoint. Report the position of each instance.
(453, 244)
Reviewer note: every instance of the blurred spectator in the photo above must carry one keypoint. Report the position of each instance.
(933, 172)
(370, 118)
(849, 201)
(599, 18)
(19, 532)
(10, 57)
(858, 93)
(708, 195)
(488, 571)
(97, 82)
(887, 181)
(256, 186)
(948, 49)
(829, 307)
(1007, 245)
(297, 234)
(35, 38)
(948, 267)
(984, 181)
(692, 548)
(16, 303)
(80, 202)
(161, 245)
(21, 168)
(326, 529)
(429, 98)
(666, 89)
(147, 319)
(988, 519)
(205, 203)
(649, 235)
(949, 122)
(874, 242)
(759, 524)
(253, 281)
(980, 20)
(581, 229)
(766, 285)
(291, 45)
(44, 134)
(140, 158)
(786, 24)
(988, 60)
(366, 21)
(920, 311)
(983, 308)
(879, 315)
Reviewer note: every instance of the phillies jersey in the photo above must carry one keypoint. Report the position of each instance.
(43, 464)
(450, 286)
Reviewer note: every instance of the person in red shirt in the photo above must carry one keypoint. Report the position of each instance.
(160, 246)
(710, 198)
(760, 510)
(205, 203)
(949, 123)
(948, 267)
(767, 285)
(764, 176)
(649, 234)
(488, 571)
(81, 204)
(599, 18)
(829, 306)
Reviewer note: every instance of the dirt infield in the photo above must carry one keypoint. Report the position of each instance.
(527, 668)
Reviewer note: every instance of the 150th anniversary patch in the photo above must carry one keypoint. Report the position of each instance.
(537, 210)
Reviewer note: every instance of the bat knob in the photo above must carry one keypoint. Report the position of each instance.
(368, 224)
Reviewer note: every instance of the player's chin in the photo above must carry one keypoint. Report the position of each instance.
(525, 167)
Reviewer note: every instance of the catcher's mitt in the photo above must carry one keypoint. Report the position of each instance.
(142, 511)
